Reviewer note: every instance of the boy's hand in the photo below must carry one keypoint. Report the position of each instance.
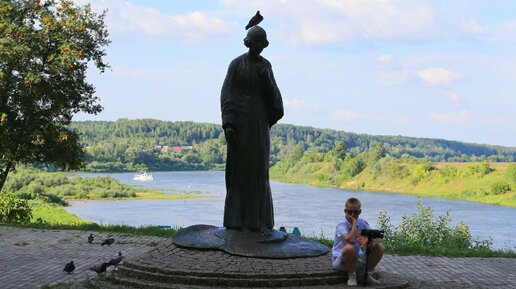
(351, 219)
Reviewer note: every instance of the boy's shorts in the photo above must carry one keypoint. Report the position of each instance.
(338, 263)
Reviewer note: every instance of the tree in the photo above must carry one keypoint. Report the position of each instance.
(45, 49)
(376, 153)
(340, 150)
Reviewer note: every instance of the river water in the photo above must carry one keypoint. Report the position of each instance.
(313, 210)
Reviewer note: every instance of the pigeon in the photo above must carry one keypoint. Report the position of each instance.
(116, 260)
(69, 267)
(108, 242)
(257, 18)
(99, 268)
(90, 238)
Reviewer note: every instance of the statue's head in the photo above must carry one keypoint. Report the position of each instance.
(256, 39)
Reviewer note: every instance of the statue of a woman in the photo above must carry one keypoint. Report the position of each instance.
(251, 104)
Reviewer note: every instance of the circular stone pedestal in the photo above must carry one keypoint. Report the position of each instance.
(248, 243)
(167, 265)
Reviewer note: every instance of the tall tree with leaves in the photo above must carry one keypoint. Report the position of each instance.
(46, 47)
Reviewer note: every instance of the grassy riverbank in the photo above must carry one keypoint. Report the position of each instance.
(490, 183)
(58, 187)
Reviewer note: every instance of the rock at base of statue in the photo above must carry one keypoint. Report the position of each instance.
(277, 245)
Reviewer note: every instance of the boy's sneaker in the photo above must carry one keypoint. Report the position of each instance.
(352, 280)
(371, 280)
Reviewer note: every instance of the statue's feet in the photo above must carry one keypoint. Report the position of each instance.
(265, 231)
(245, 230)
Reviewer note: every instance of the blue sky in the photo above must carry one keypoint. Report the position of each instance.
(434, 69)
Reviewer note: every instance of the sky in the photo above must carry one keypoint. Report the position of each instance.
(432, 69)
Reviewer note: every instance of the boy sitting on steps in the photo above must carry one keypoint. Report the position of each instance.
(347, 252)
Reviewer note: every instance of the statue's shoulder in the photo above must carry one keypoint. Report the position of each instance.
(267, 62)
(238, 60)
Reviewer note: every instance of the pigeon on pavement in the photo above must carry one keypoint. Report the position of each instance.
(99, 268)
(69, 267)
(257, 18)
(116, 260)
(108, 242)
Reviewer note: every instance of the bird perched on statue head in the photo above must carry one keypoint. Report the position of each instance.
(108, 242)
(257, 18)
(69, 267)
(116, 260)
(100, 268)
(90, 238)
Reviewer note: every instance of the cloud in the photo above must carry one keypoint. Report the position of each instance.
(472, 27)
(296, 103)
(393, 77)
(402, 119)
(194, 26)
(346, 115)
(504, 31)
(450, 118)
(438, 76)
(384, 58)
(319, 22)
(453, 96)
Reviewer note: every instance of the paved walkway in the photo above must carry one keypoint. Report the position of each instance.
(31, 258)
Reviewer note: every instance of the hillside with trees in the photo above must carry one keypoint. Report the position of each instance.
(148, 144)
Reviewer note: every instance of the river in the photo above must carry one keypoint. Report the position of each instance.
(313, 210)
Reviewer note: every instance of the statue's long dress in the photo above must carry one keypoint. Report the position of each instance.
(250, 104)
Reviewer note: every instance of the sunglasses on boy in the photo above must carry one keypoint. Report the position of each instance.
(353, 212)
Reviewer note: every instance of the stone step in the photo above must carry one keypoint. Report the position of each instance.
(127, 266)
(153, 279)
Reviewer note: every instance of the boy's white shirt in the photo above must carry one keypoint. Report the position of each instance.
(344, 227)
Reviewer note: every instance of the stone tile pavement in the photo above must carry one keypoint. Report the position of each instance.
(31, 258)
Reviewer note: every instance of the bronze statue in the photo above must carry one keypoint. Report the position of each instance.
(251, 104)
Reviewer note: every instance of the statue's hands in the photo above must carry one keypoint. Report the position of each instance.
(230, 134)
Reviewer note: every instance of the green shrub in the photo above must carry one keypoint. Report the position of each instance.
(511, 172)
(13, 209)
(423, 232)
(352, 167)
(480, 169)
(500, 187)
(422, 171)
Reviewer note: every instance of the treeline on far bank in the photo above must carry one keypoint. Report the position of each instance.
(148, 144)
(378, 170)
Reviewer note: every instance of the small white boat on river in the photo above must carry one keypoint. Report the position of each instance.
(143, 177)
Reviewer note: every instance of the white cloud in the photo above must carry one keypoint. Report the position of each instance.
(383, 19)
(393, 77)
(473, 27)
(450, 118)
(453, 96)
(493, 120)
(316, 22)
(322, 32)
(295, 103)
(438, 76)
(504, 31)
(194, 26)
(384, 58)
(402, 119)
(346, 115)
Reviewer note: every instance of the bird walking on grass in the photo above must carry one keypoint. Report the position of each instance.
(257, 18)
(69, 267)
(108, 242)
